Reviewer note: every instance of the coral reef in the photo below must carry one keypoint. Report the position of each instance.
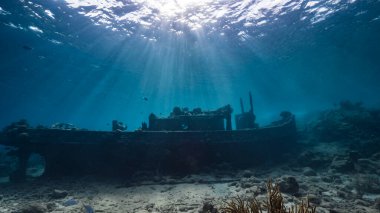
(350, 120)
(351, 128)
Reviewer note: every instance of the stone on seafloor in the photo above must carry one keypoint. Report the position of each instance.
(342, 194)
(353, 156)
(88, 209)
(377, 204)
(289, 185)
(70, 202)
(367, 183)
(208, 208)
(247, 173)
(307, 171)
(361, 202)
(335, 211)
(342, 165)
(312, 198)
(376, 156)
(34, 208)
(58, 194)
(233, 184)
(313, 160)
(366, 165)
(246, 184)
(51, 206)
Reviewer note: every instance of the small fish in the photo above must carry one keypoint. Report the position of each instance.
(26, 47)
(145, 98)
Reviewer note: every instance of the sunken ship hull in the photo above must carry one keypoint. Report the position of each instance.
(89, 152)
(82, 152)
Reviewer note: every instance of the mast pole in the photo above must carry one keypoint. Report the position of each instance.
(250, 101)
(241, 105)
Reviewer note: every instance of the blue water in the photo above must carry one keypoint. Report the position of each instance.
(89, 62)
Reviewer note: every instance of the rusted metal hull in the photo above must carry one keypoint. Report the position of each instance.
(122, 153)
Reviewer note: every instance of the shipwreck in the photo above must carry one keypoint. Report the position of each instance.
(184, 142)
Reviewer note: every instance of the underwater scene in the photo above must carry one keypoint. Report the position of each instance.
(213, 106)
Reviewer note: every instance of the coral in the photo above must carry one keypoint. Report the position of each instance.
(350, 120)
(238, 205)
(302, 208)
(273, 204)
(348, 105)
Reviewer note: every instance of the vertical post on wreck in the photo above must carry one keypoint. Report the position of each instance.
(241, 105)
(228, 122)
(227, 115)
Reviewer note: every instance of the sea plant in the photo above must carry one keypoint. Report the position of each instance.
(238, 205)
(274, 203)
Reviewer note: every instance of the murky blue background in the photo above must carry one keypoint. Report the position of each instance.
(89, 62)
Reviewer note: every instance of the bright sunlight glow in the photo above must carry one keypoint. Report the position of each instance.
(196, 15)
(173, 8)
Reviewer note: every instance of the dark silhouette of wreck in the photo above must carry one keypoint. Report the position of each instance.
(185, 142)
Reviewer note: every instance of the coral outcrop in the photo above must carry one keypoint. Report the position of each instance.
(349, 120)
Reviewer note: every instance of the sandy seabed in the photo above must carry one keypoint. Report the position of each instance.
(330, 192)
